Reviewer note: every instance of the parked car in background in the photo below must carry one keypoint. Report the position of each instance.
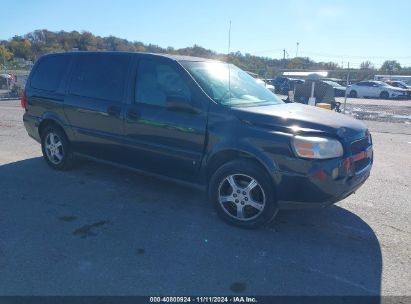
(184, 118)
(401, 85)
(277, 82)
(291, 84)
(377, 89)
(339, 90)
(284, 84)
(6, 81)
(266, 84)
(404, 78)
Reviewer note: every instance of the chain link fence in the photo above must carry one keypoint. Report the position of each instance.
(395, 110)
(12, 81)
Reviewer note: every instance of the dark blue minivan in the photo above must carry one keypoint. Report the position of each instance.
(198, 121)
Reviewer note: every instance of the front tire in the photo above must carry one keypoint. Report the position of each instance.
(353, 94)
(56, 148)
(384, 95)
(243, 194)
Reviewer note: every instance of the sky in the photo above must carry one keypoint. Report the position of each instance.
(339, 31)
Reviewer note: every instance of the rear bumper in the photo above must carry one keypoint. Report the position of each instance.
(31, 123)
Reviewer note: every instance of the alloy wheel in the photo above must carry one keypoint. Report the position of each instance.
(54, 148)
(241, 197)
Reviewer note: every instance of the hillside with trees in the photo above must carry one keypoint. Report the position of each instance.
(32, 45)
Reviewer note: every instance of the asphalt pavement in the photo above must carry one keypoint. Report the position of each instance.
(99, 230)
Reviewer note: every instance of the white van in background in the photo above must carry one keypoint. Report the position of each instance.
(404, 78)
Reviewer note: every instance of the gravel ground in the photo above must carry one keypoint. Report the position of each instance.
(379, 110)
(98, 230)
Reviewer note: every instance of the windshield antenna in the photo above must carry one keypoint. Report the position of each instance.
(228, 64)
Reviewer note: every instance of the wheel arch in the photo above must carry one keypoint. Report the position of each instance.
(49, 122)
(48, 119)
(67, 160)
(222, 157)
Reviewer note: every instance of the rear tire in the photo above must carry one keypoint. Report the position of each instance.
(353, 94)
(384, 95)
(243, 194)
(56, 148)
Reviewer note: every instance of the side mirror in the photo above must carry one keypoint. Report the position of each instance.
(181, 104)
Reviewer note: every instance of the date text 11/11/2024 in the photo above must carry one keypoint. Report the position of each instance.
(236, 299)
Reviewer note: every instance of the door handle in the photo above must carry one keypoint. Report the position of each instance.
(114, 111)
(133, 114)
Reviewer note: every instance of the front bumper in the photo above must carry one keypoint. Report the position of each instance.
(396, 95)
(326, 183)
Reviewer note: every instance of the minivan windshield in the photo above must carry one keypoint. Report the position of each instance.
(229, 85)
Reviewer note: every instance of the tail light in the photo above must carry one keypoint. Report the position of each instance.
(23, 100)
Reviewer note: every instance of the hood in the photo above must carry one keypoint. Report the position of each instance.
(295, 117)
(397, 89)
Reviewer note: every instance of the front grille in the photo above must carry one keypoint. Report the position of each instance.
(361, 164)
(357, 147)
(360, 145)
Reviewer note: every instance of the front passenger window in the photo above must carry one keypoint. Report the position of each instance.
(157, 81)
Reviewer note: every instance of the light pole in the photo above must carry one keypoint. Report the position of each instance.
(3, 56)
(296, 51)
(346, 87)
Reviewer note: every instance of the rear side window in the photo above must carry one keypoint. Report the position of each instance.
(49, 72)
(100, 76)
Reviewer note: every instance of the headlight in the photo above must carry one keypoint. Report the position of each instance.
(317, 147)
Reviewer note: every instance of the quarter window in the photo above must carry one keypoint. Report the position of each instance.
(49, 73)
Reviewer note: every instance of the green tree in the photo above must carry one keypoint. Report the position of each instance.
(302, 63)
(367, 65)
(390, 67)
(296, 63)
(33, 45)
(5, 54)
(87, 42)
(20, 47)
